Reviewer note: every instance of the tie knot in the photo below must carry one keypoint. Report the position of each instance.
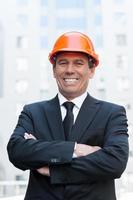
(68, 105)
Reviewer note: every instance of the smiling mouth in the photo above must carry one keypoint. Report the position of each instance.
(70, 80)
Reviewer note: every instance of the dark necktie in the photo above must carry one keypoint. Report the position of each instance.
(68, 120)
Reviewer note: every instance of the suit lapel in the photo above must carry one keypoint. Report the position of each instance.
(86, 114)
(53, 115)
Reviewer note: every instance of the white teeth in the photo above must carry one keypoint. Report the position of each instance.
(70, 80)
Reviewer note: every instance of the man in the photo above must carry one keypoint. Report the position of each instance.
(76, 153)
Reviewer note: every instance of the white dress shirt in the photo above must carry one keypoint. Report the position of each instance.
(78, 101)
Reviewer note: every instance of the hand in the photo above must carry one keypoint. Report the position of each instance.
(84, 150)
(29, 136)
(44, 171)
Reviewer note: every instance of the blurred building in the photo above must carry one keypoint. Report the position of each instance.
(28, 29)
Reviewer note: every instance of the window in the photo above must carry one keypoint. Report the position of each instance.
(120, 18)
(98, 40)
(1, 59)
(123, 84)
(122, 62)
(44, 2)
(121, 40)
(101, 87)
(128, 106)
(101, 84)
(22, 20)
(71, 23)
(70, 3)
(22, 63)
(22, 2)
(97, 2)
(21, 86)
(2, 172)
(22, 42)
(119, 1)
(98, 19)
(43, 21)
(43, 42)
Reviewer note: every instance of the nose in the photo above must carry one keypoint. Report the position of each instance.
(70, 68)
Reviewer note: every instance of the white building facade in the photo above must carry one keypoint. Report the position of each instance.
(28, 29)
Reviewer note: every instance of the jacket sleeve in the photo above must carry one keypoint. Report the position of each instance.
(33, 154)
(107, 163)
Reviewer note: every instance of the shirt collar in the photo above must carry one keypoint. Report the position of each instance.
(77, 101)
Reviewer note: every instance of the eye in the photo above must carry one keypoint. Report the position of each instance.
(62, 63)
(79, 63)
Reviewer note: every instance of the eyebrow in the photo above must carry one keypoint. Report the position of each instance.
(78, 59)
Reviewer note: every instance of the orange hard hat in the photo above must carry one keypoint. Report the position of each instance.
(74, 41)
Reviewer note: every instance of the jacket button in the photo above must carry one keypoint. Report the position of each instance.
(54, 160)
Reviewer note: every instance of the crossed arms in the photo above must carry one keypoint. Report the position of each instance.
(55, 158)
(79, 151)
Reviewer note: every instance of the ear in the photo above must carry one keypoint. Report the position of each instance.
(91, 72)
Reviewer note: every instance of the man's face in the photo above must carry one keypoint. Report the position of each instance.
(72, 73)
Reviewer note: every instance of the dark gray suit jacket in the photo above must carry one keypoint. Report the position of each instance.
(86, 178)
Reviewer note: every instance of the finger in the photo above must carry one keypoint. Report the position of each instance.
(29, 136)
(32, 136)
(26, 135)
